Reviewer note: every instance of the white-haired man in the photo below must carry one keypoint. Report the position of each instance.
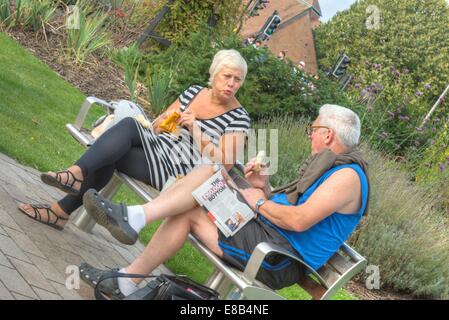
(310, 217)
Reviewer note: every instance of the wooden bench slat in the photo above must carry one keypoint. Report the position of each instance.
(328, 275)
(339, 263)
(312, 287)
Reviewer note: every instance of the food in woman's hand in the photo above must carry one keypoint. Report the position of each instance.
(169, 124)
(260, 158)
(144, 122)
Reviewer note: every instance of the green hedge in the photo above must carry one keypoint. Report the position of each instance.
(404, 60)
(271, 87)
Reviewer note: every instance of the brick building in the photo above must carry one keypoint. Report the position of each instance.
(294, 33)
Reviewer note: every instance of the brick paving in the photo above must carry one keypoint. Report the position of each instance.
(34, 258)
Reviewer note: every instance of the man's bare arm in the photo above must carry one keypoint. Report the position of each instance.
(341, 192)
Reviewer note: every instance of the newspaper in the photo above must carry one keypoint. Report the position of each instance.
(224, 204)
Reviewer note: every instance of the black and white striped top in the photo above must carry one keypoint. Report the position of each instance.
(171, 155)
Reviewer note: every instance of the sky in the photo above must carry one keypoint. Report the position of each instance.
(330, 7)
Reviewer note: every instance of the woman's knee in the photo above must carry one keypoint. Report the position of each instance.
(127, 122)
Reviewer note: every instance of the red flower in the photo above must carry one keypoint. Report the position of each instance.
(118, 13)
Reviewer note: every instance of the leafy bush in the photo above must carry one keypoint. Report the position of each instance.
(403, 233)
(186, 16)
(129, 59)
(386, 60)
(5, 12)
(158, 85)
(433, 167)
(38, 13)
(271, 86)
(90, 37)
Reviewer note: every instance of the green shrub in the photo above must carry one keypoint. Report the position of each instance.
(129, 58)
(38, 13)
(158, 85)
(5, 13)
(403, 233)
(186, 16)
(433, 167)
(90, 37)
(271, 86)
(387, 58)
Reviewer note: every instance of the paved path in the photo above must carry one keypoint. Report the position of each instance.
(34, 257)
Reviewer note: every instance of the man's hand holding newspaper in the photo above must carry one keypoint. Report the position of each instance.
(230, 201)
(222, 199)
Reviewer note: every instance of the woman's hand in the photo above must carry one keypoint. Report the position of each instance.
(187, 120)
(158, 121)
(258, 179)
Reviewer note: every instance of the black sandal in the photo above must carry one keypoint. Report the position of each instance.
(57, 181)
(37, 215)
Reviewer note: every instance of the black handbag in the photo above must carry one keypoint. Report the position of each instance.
(164, 287)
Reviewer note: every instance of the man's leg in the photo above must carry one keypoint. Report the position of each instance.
(178, 198)
(170, 237)
(124, 224)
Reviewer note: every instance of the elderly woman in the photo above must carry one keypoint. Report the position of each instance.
(213, 125)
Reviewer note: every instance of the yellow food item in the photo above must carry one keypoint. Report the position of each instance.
(169, 124)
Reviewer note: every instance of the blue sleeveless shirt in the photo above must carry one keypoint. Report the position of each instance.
(317, 244)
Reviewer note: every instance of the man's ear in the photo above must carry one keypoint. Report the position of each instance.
(330, 136)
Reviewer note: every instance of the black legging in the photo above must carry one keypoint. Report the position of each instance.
(119, 148)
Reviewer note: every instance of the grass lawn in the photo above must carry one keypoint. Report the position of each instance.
(35, 105)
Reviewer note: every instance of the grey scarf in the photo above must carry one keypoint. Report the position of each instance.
(315, 166)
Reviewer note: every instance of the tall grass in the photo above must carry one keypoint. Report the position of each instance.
(404, 234)
(38, 13)
(129, 58)
(90, 37)
(293, 147)
(5, 12)
(35, 14)
(158, 85)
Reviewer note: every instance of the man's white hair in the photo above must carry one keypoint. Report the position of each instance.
(227, 58)
(343, 121)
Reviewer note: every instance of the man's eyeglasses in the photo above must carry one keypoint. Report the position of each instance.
(311, 129)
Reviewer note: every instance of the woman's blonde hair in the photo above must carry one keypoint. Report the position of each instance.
(227, 58)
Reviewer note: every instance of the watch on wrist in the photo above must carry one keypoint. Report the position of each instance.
(259, 203)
